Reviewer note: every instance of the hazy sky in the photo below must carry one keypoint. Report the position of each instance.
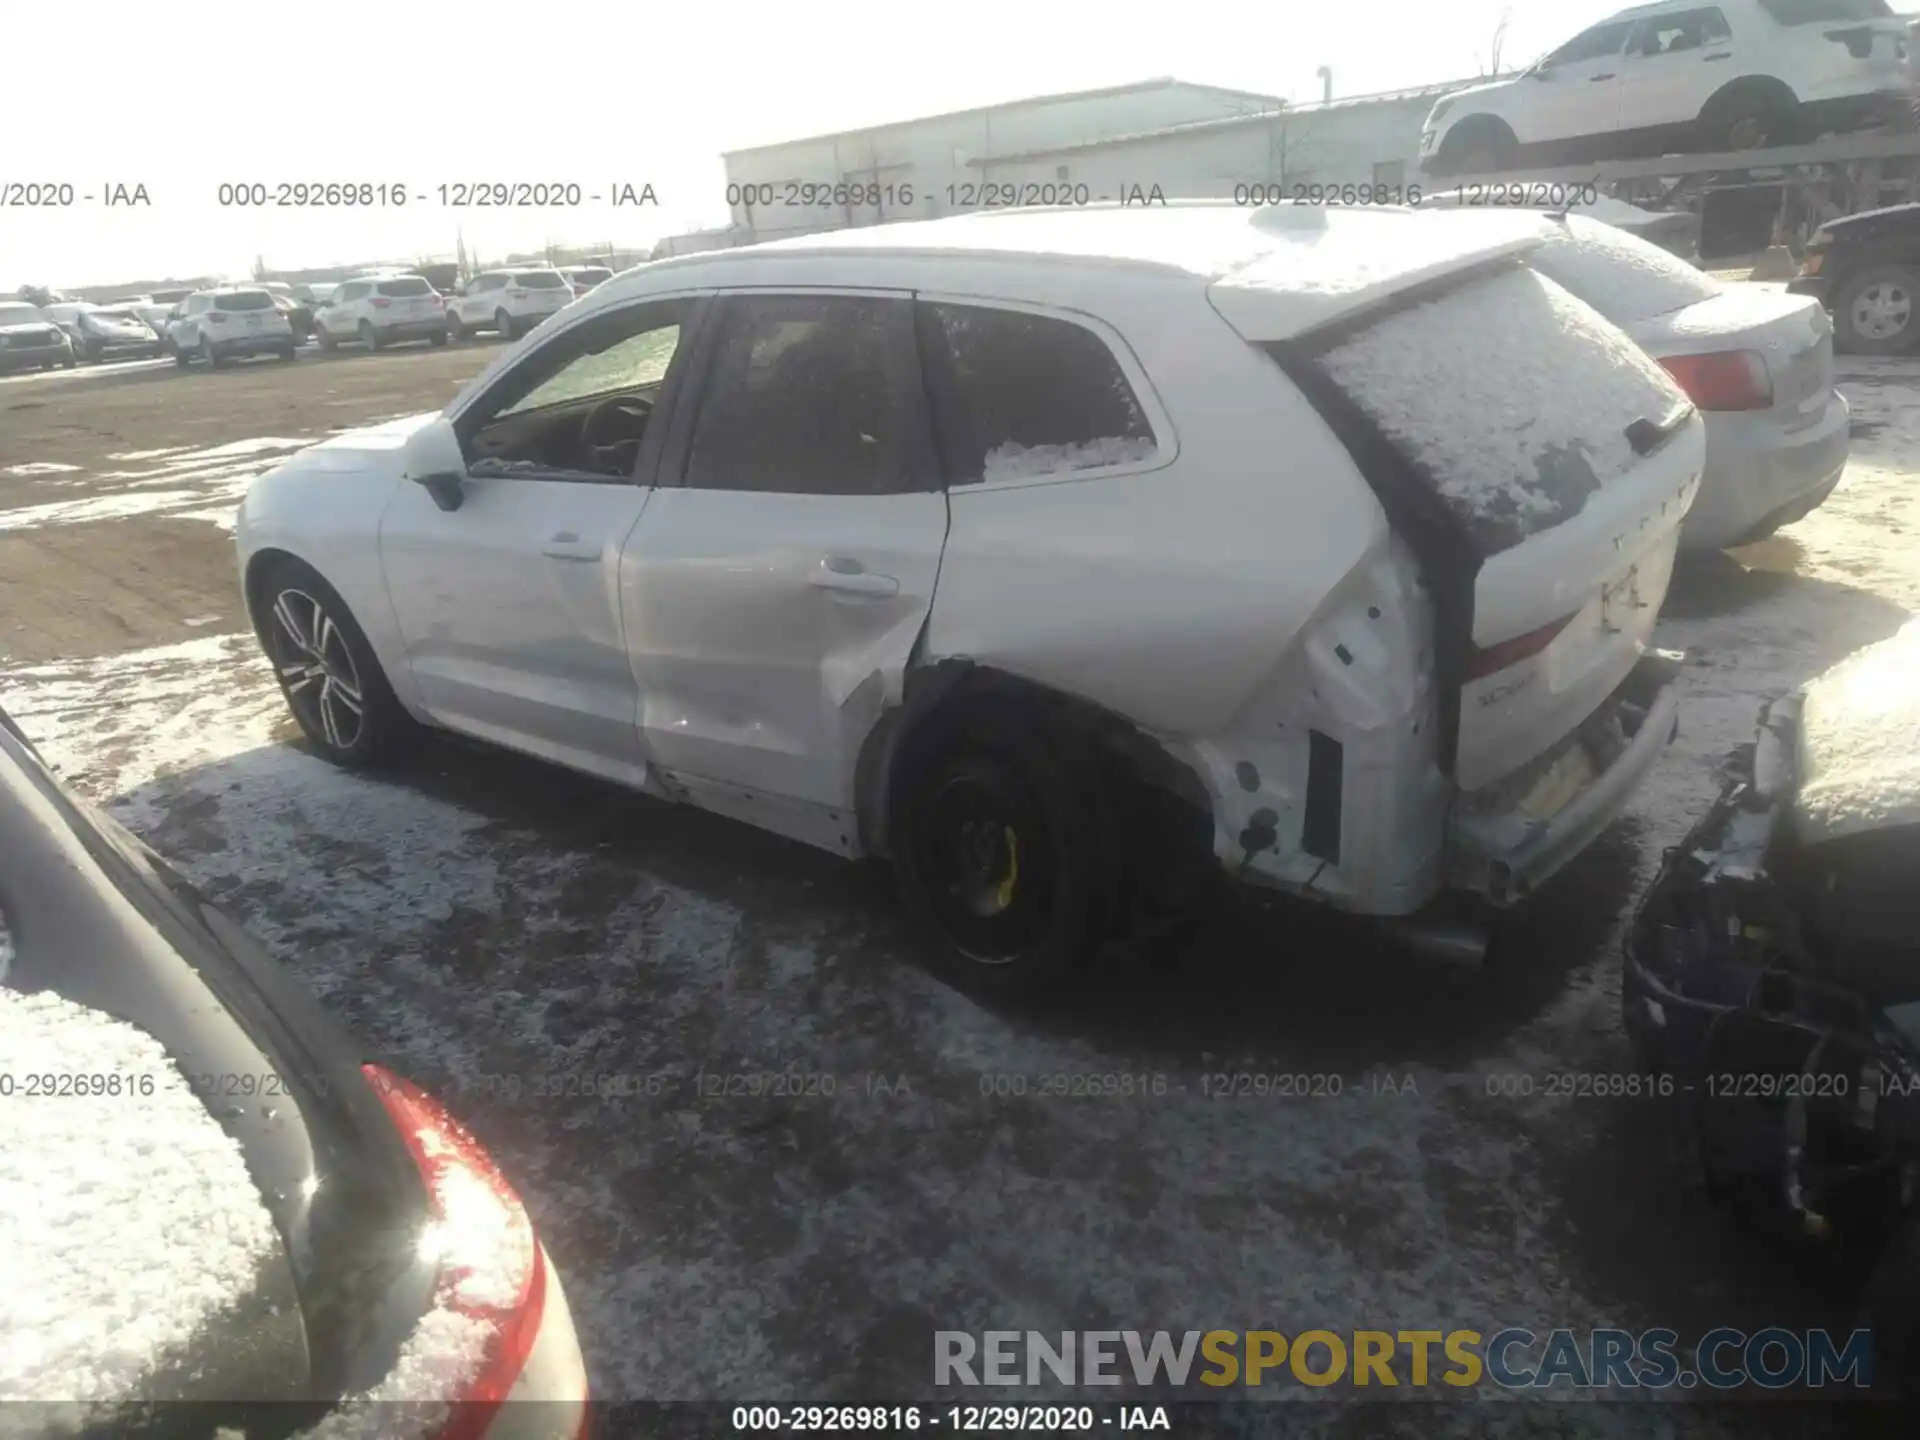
(184, 95)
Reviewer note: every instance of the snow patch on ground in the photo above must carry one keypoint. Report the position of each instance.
(38, 467)
(127, 1221)
(179, 482)
(1014, 461)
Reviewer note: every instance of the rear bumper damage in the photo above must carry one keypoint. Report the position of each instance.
(1510, 837)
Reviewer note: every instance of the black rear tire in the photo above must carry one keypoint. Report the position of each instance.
(1005, 844)
(1752, 121)
(503, 323)
(330, 677)
(1478, 148)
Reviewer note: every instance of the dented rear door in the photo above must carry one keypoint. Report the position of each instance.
(773, 596)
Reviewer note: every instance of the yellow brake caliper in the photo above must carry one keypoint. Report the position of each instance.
(1003, 897)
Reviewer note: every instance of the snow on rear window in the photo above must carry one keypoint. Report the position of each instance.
(1013, 461)
(1622, 276)
(1511, 395)
(127, 1220)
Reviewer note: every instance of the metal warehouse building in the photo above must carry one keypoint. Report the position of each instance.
(1191, 141)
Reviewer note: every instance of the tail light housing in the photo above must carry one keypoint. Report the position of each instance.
(1723, 380)
(491, 1267)
(1494, 658)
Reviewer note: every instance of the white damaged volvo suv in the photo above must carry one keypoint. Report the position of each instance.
(1049, 554)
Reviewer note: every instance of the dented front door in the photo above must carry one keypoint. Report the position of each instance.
(773, 597)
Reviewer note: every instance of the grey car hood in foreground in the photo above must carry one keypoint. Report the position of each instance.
(1859, 743)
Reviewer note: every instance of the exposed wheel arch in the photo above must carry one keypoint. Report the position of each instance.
(1472, 135)
(1134, 759)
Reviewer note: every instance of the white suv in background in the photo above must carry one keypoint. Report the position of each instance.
(1680, 76)
(381, 310)
(220, 325)
(1247, 565)
(509, 302)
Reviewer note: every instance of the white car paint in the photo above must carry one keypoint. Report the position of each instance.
(1228, 588)
(1619, 75)
(1760, 462)
(207, 322)
(505, 302)
(388, 308)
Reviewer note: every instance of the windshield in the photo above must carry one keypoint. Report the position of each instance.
(21, 315)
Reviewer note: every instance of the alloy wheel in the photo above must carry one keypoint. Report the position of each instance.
(316, 668)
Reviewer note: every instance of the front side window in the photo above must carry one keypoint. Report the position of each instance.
(579, 404)
(1036, 396)
(811, 394)
(1594, 44)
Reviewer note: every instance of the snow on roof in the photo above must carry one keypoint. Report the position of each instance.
(127, 1220)
(1859, 766)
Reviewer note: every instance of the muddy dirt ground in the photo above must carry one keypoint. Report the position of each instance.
(505, 932)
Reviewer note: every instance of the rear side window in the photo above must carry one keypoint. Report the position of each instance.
(245, 300)
(1805, 12)
(540, 280)
(1036, 396)
(1594, 44)
(1622, 276)
(400, 289)
(1509, 396)
(811, 395)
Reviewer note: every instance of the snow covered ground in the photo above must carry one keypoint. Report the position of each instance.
(581, 974)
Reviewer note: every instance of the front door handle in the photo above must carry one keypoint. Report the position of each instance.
(1722, 55)
(566, 545)
(850, 577)
(1610, 75)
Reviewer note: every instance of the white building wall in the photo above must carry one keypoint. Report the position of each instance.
(936, 158)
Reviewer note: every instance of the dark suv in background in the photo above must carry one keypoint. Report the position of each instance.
(1865, 269)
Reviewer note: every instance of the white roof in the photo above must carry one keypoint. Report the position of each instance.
(1278, 270)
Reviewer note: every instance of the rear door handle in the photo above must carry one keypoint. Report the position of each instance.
(850, 577)
(1610, 75)
(1722, 55)
(566, 545)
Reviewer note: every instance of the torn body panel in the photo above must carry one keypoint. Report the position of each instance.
(1772, 973)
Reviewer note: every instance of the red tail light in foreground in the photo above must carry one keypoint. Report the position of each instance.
(1728, 380)
(1508, 653)
(490, 1263)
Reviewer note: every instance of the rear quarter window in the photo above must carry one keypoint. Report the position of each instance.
(1036, 395)
(1511, 398)
(1622, 276)
(245, 300)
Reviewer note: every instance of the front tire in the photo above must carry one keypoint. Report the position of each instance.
(328, 673)
(437, 339)
(1755, 121)
(503, 323)
(456, 331)
(211, 354)
(1875, 313)
(369, 336)
(1005, 848)
(1478, 147)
